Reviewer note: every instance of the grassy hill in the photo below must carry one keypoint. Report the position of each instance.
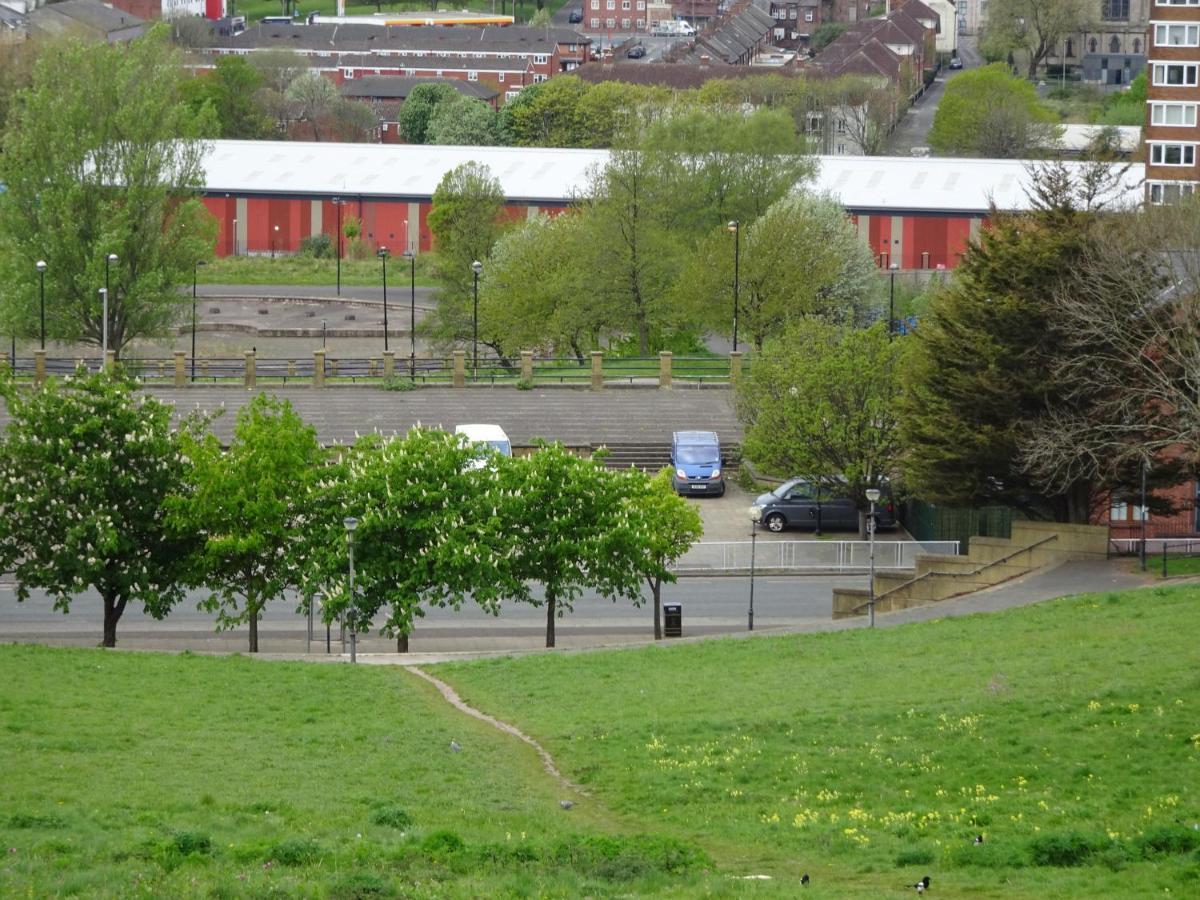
(1068, 734)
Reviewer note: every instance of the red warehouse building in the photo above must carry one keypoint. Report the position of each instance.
(270, 195)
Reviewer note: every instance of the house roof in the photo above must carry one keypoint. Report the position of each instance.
(373, 39)
(446, 63)
(398, 87)
(60, 18)
(678, 76)
(864, 185)
(919, 10)
(736, 36)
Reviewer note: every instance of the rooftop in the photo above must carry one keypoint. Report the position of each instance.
(373, 38)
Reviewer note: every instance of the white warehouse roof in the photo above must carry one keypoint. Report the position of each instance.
(863, 184)
(884, 184)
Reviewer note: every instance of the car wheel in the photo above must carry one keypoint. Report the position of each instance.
(776, 522)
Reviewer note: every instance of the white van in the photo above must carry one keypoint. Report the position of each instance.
(491, 436)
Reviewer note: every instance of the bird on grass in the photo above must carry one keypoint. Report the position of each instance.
(921, 886)
(455, 746)
(804, 879)
(978, 840)
(565, 804)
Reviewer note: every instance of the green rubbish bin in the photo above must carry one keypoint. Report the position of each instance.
(673, 619)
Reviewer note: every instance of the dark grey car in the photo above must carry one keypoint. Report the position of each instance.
(797, 504)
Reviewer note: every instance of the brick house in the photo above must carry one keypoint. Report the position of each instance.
(385, 95)
(1172, 132)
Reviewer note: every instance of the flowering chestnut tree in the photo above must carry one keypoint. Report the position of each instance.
(86, 466)
(248, 506)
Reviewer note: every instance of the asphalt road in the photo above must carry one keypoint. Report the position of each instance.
(711, 605)
(913, 130)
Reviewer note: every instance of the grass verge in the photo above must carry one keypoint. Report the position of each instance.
(305, 270)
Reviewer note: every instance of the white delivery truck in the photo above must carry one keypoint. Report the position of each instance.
(672, 28)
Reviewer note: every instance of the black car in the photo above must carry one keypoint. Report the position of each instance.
(637, 51)
(797, 503)
(575, 17)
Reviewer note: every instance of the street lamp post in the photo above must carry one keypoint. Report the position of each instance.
(755, 518)
(274, 240)
(322, 334)
(41, 267)
(872, 498)
(892, 300)
(103, 327)
(736, 228)
(383, 258)
(412, 315)
(194, 270)
(351, 523)
(235, 237)
(476, 268)
(108, 260)
(337, 201)
(1142, 549)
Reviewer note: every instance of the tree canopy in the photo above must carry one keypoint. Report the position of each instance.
(991, 113)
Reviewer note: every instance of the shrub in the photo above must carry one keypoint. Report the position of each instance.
(1168, 839)
(187, 843)
(360, 886)
(397, 383)
(294, 852)
(393, 817)
(1064, 849)
(31, 820)
(440, 844)
(916, 856)
(318, 246)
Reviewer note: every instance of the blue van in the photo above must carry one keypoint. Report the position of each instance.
(696, 463)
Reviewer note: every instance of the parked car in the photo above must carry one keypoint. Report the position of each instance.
(955, 62)
(797, 504)
(488, 439)
(696, 463)
(575, 16)
(637, 51)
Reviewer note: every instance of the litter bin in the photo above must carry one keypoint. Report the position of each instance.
(673, 619)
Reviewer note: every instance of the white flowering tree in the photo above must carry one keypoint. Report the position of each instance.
(86, 466)
(248, 506)
(662, 527)
(428, 531)
(570, 531)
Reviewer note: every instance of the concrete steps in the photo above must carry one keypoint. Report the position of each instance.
(649, 457)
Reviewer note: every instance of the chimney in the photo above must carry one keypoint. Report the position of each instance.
(704, 60)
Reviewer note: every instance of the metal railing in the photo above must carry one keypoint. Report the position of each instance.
(1154, 546)
(825, 556)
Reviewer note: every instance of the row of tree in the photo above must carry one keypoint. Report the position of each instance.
(1056, 365)
(100, 492)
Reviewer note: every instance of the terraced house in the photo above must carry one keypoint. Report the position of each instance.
(504, 59)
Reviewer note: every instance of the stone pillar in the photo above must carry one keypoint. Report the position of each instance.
(389, 363)
(735, 367)
(664, 369)
(250, 378)
(180, 370)
(527, 365)
(39, 366)
(597, 371)
(460, 369)
(318, 368)
(291, 368)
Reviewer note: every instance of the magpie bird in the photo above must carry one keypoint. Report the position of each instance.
(565, 804)
(804, 879)
(455, 746)
(921, 885)
(978, 839)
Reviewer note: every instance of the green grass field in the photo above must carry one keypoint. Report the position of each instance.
(308, 271)
(1067, 733)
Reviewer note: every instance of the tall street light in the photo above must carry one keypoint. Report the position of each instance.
(41, 267)
(382, 253)
(412, 314)
(235, 237)
(755, 518)
(274, 240)
(872, 498)
(892, 300)
(476, 268)
(103, 328)
(194, 270)
(337, 246)
(1142, 549)
(108, 260)
(736, 228)
(351, 523)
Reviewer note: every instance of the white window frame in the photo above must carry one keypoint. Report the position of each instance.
(808, 15)
(1158, 76)
(1160, 148)
(539, 59)
(595, 4)
(472, 76)
(500, 77)
(626, 24)
(610, 23)
(1177, 2)
(1158, 114)
(1185, 34)
(594, 23)
(641, 5)
(610, 5)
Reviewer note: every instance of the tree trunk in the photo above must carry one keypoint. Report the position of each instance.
(1079, 503)
(656, 589)
(402, 642)
(113, 607)
(549, 620)
(253, 629)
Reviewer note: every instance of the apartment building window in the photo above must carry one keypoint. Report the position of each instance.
(1174, 35)
(500, 77)
(1174, 74)
(1164, 192)
(538, 79)
(595, 4)
(1177, 2)
(472, 76)
(1173, 154)
(539, 59)
(626, 24)
(593, 23)
(641, 5)
(1115, 10)
(610, 5)
(626, 5)
(610, 23)
(1182, 114)
(808, 15)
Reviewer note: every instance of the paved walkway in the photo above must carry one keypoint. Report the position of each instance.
(1069, 578)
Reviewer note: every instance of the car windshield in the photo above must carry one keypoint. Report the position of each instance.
(697, 455)
(784, 489)
(502, 447)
